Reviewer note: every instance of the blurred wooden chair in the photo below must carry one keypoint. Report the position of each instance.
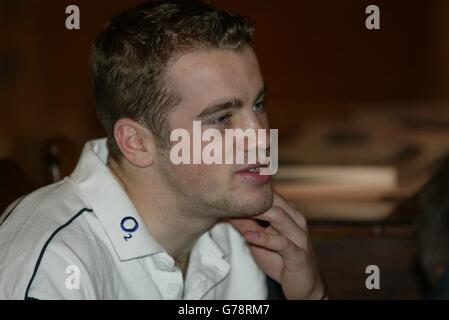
(433, 228)
(60, 156)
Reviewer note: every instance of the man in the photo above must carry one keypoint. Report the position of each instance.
(129, 223)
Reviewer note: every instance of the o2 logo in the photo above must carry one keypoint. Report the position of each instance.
(129, 225)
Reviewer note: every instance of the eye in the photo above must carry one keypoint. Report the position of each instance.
(223, 120)
(260, 106)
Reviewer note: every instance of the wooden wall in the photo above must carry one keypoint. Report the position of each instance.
(317, 57)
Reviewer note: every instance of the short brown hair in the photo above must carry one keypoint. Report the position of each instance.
(130, 55)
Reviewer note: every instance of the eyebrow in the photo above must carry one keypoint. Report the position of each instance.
(226, 104)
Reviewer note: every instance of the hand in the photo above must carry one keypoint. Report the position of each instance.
(283, 250)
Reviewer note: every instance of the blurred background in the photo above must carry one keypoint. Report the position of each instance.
(363, 119)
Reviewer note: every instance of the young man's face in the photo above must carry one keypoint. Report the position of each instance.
(223, 89)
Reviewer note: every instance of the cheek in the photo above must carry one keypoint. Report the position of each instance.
(202, 177)
(264, 121)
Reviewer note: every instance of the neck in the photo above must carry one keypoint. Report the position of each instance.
(172, 226)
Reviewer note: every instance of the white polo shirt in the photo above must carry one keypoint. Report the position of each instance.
(82, 238)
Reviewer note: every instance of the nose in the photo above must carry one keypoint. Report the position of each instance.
(257, 137)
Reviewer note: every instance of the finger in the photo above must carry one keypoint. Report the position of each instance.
(290, 208)
(243, 224)
(292, 255)
(268, 260)
(284, 224)
(271, 230)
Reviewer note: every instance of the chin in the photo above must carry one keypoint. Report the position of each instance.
(253, 202)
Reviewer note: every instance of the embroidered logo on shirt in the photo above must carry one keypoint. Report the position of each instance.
(129, 225)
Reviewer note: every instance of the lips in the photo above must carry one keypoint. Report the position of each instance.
(253, 168)
(252, 175)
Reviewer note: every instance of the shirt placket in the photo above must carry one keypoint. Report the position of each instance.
(167, 277)
(207, 269)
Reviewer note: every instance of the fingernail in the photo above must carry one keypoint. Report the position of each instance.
(252, 234)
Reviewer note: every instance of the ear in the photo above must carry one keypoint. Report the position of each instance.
(136, 142)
